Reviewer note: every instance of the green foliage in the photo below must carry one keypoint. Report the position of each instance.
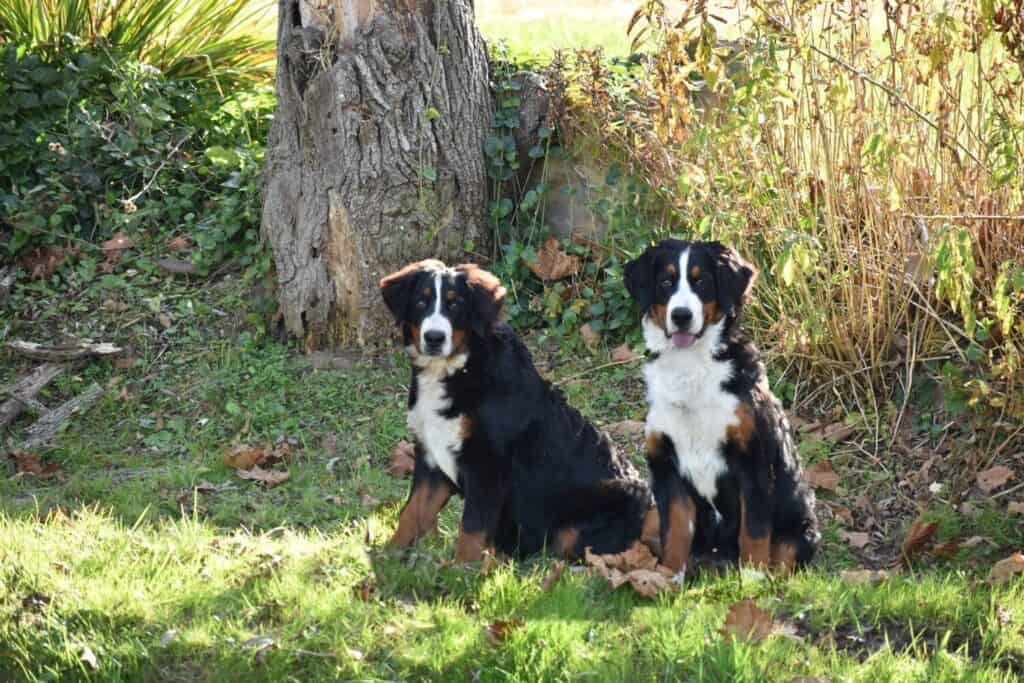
(90, 147)
(216, 42)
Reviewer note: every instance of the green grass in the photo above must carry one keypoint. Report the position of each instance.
(122, 559)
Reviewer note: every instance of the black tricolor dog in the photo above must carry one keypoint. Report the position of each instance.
(724, 468)
(533, 472)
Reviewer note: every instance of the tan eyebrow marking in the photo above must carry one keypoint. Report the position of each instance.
(671, 269)
(427, 291)
(695, 272)
(450, 295)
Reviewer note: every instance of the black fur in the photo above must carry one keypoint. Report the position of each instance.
(763, 469)
(532, 471)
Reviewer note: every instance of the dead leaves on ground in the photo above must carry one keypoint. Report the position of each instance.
(626, 428)
(820, 475)
(637, 567)
(552, 263)
(857, 539)
(32, 465)
(1006, 570)
(746, 621)
(623, 354)
(250, 462)
(994, 477)
(403, 459)
(917, 538)
(42, 262)
(499, 629)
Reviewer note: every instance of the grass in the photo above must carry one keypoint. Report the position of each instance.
(122, 570)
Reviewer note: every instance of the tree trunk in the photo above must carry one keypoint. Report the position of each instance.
(375, 156)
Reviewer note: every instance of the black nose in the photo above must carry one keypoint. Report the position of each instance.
(681, 317)
(433, 338)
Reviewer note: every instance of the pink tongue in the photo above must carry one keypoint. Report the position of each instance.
(682, 340)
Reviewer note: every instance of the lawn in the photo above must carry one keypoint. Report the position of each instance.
(146, 558)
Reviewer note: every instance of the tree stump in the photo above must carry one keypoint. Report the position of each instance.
(375, 155)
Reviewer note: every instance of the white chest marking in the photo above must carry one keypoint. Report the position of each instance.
(440, 437)
(687, 404)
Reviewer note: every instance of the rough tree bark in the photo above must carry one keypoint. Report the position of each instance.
(375, 155)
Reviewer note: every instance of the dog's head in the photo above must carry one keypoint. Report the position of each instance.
(438, 307)
(686, 288)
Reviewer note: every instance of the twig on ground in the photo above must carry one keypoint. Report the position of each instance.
(23, 393)
(52, 422)
(62, 352)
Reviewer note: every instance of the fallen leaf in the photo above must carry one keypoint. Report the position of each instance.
(119, 242)
(917, 538)
(590, 337)
(1015, 508)
(165, 320)
(552, 263)
(554, 574)
(635, 566)
(243, 457)
(109, 264)
(626, 428)
(1005, 570)
(403, 459)
(623, 354)
(746, 621)
(860, 576)
(994, 477)
(115, 306)
(499, 629)
(837, 431)
(843, 514)
(43, 262)
(858, 539)
(269, 478)
(179, 243)
(369, 501)
(124, 363)
(32, 465)
(950, 550)
(366, 589)
(820, 475)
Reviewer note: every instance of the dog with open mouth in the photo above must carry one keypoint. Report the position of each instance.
(532, 471)
(724, 468)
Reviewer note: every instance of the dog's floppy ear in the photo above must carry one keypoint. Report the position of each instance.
(734, 278)
(397, 287)
(638, 275)
(486, 297)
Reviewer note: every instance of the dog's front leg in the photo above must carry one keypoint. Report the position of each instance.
(757, 511)
(484, 496)
(677, 511)
(430, 490)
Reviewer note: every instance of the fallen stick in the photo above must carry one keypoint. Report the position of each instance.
(176, 266)
(25, 390)
(49, 424)
(62, 352)
(8, 276)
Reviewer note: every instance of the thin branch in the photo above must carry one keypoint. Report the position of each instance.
(149, 183)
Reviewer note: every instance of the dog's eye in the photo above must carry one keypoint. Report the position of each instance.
(667, 283)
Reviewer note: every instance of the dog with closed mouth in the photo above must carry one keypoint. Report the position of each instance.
(724, 469)
(532, 471)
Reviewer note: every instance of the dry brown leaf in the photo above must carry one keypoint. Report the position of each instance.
(365, 589)
(32, 465)
(946, 551)
(917, 538)
(1015, 508)
(837, 431)
(626, 428)
(369, 501)
(269, 478)
(179, 243)
(552, 263)
(843, 514)
(859, 576)
(114, 305)
(746, 621)
(43, 262)
(165, 320)
(623, 354)
(554, 574)
(858, 539)
(242, 457)
(994, 477)
(119, 242)
(403, 459)
(1005, 570)
(820, 475)
(499, 629)
(635, 566)
(590, 337)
